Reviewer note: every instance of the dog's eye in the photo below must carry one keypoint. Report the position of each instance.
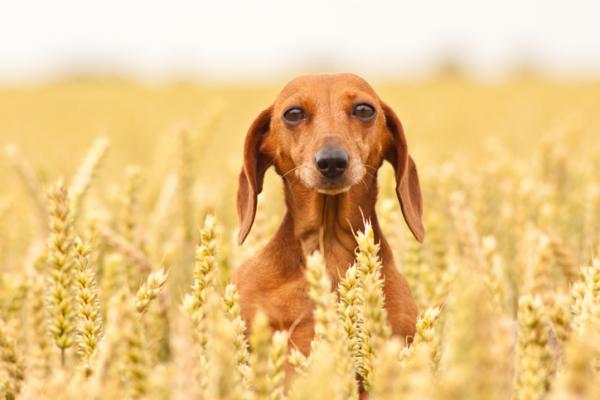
(294, 116)
(364, 112)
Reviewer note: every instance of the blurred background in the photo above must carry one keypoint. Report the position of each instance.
(233, 41)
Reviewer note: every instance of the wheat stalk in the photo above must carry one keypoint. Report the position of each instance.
(135, 360)
(185, 183)
(60, 296)
(349, 314)
(150, 289)
(586, 297)
(225, 379)
(328, 327)
(231, 299)
(40, 340)
(374, 328)
(89, 319)
(85, 174)
(128, 249)
(203, 276)
(277, 361)
(31, 181)
(534, 367)
(11, 367)
(260, 382)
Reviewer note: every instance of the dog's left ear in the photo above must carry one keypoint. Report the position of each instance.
(408, 189)
(253, 172)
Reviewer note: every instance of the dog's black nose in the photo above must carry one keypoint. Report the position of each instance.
(331, 161)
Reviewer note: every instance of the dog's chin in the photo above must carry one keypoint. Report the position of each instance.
(333, 191)
(331, 188)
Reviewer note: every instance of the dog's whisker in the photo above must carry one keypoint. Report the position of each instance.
(370, 174)
(291, 170)
(364, 183)
(369, 166)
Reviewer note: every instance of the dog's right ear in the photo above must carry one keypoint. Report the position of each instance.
(253, 172)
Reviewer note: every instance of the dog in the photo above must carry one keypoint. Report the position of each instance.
(326, 135)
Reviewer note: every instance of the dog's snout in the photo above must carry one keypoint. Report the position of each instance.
(331, 161)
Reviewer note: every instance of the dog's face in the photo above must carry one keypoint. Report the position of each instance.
(328, 131)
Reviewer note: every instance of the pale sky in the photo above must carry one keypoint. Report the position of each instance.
(264, 38)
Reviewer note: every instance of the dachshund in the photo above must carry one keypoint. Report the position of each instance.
(326, 135)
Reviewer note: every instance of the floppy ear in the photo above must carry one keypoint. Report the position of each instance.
(408, 189)
(253, 172)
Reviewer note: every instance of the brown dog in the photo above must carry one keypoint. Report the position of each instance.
(326, 136)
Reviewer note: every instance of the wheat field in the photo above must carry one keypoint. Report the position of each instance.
(117, 227)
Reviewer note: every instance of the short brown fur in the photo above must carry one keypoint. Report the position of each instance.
(317, 217)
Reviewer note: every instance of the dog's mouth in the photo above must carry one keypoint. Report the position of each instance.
(330, 186)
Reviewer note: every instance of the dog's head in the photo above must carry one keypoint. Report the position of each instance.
(328, 131)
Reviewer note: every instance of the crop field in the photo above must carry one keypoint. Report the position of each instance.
(117, 243)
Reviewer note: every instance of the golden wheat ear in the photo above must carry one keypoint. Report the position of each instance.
(88, 312)
(60, 259)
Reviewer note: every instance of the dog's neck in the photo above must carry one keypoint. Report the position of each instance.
(328, 223)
